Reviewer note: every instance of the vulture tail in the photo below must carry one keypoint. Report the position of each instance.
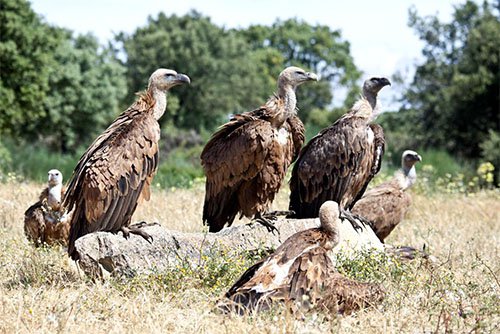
(77, 230)
(220, 210)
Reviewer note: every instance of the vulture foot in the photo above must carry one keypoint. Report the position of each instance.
(354, 219)
(267, 220)
(136, 230)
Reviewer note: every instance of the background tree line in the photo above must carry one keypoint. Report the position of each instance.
(59, 90)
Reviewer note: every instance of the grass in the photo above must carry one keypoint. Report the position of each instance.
(42, 291)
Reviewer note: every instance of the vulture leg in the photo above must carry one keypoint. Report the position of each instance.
(136, 230)
(266, 221)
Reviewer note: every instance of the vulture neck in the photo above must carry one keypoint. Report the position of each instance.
(287, 94)
(160, 99)
(372, 99)
(409, 176)
(54, 197)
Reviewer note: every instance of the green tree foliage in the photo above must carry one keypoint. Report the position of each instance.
(454, 98)
(317, 48)
(227, 77)
(87, 86)
(27, 46)
(54, 87)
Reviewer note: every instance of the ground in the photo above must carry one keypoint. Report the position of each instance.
(42, 291)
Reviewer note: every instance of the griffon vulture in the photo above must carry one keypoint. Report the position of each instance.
(246, 160)
(45, 221)
(386, 205)
(117, 169)
(301, 274)
(339, 162)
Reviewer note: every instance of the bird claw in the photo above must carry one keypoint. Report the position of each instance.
(354, 219)
(267, 223)
(137, 230)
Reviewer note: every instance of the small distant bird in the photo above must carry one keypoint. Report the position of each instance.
(301, 274)
(386, 205)
(45, 221)
(246, 160)
(339, 162)
(117, 169)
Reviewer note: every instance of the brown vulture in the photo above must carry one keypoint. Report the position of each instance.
(45, 221)
(339, 162)
(246, 160)
(301, 274)
(386, 205)
(117, 169)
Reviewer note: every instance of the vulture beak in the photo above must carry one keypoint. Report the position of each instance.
(418, 157)
(385, 82)
(312, 76)
(182, 78)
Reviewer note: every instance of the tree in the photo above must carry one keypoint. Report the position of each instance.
(87, 86)
(27, 46)
(227, 77)
(454, 97)
(54, 87)
(317, 48)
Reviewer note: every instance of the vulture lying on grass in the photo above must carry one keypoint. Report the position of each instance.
(246, 160)
(44, 221)
(339, 162)
(117, 169)
(301, 274)
(386, 205)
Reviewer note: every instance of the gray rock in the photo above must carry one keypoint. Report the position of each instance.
(103, 253)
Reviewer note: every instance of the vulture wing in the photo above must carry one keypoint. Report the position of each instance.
(385, 206)
(236, 153)
(336, 165)
(112, 174)
(298, 134)
(297, 261)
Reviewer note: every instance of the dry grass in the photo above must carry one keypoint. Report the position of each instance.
(41, 290)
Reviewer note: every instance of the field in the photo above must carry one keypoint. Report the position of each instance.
(42, 291)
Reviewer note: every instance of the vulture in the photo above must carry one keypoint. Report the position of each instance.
(246, 160)
(339, 162)
(117, 169)
(45, 221)
(386, 205)
(301, 274)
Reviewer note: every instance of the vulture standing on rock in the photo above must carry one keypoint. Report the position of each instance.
(246, 160)
(117, 169)
(44, 221)
(301, 274)
(339, 162)
(386, 205)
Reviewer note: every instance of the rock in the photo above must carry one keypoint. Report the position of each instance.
(104, 253)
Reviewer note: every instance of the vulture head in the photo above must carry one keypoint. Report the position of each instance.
(373, 85)
(329, 217)
(163, 79)
(55, 177)
(410, 158)
(294, 76)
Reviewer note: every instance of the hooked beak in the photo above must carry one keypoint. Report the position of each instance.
(385, 82)
(312, 76)
(182, 78)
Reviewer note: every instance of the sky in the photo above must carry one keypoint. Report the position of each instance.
(381, 41)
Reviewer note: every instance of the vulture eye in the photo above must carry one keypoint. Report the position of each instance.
(299, 72)
(169, 75)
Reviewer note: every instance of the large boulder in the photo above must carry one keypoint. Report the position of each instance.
(104, 253)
